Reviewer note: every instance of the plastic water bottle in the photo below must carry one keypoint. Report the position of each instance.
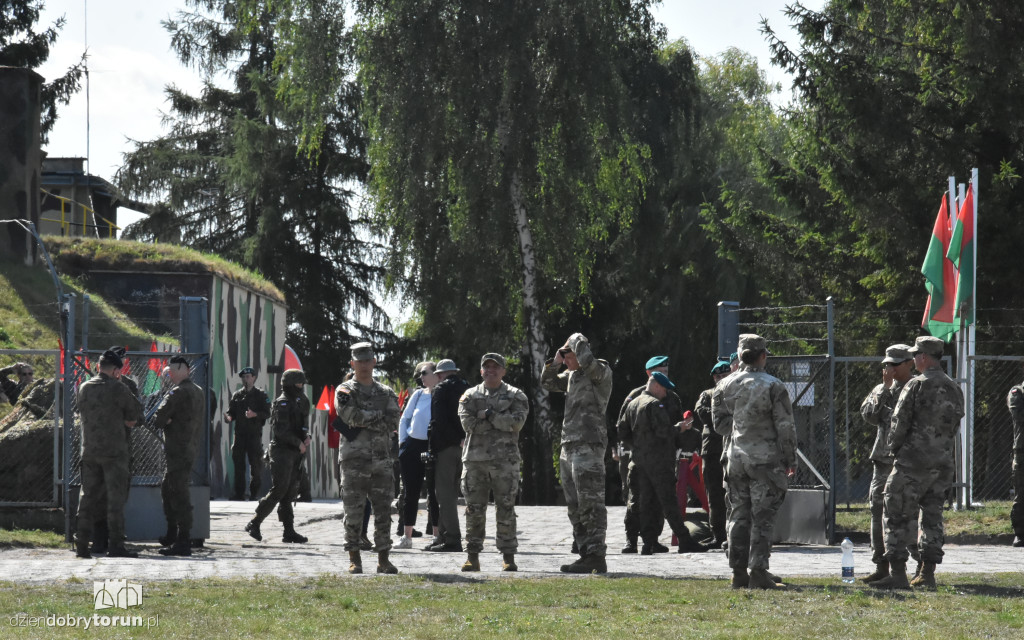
(847, 548)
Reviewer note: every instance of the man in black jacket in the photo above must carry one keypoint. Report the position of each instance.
(248, 410)
(445, 436)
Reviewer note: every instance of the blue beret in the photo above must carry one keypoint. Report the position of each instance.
(656, 361)
(722, 366)
(663, 380)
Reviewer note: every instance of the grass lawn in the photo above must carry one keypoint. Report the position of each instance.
(587, 607)
(992, 519)
(31, 538)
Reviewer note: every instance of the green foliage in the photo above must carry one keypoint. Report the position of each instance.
(22, 46)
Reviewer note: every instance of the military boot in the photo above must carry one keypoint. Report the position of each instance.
(761, 579)
(472, 562)
(740, 579)
(291, 535)
(926, 578)
(167, 539)
(630, 545)
(383, 564)
(82, 547)
(917, 571)
(587, 564)
(355, 562)
(897, 578)
(182, 545)
(119, 551)
(881, 571)
(253, 529)
(508, 562)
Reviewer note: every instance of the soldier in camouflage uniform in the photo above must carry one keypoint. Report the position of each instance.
(290, 423)
(180, 415)
(587, 385)
(711, 456)
(877, 411)
(634, 520)
(248, 409)
(11, 390)
(653, 434)
(492, 414)
(753, 410)
(370, 408)
(106, 407)
(922, 439)
(1015, 402)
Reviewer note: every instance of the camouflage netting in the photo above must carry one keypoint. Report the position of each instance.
(26, 446)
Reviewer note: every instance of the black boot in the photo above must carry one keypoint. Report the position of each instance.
(630, 545)
(291, 535)
(167, 539)
(253, 529)
(182, 545)
(82, 547)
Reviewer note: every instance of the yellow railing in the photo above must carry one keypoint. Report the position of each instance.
(66, 216)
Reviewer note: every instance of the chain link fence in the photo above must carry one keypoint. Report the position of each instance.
(29, 432)
(993, 428)
(144, 371)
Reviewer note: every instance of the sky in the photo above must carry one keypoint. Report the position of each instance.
(130, 63)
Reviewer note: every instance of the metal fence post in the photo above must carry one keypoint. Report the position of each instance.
(68, 418)
(728, 327)
(831, 418)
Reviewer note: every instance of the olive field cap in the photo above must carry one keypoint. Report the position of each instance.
(722, 366)
(897, 353)
(446, 365)
(752, 342)
(110, 359)
(293, 377)
(663, 380)
(248, 370)
(927, 344)
(656, 361)
(497, 358)
(362, 351)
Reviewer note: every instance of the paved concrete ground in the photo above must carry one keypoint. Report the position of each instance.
(544, 544)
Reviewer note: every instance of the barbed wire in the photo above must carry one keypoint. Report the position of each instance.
(780, 324)
(801, 306)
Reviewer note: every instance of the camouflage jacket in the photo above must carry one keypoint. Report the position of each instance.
(496, 437)
(649, 429)
(877, 411)
(587, 391)
(926, 420)
(371, 409)
(244, 399)
(1015, 403)
(753, 409)
(180, 415)
(289, 419)
(105, 405)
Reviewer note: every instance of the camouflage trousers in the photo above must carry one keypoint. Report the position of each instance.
(1017, 510)
(652, 487)
(365, 479)
(907, 491)
(104, 485)
(479, 479)
(285, 464)
(581, 468)
(175, 492)
(756, 492)
(876, 501)
(247, 445)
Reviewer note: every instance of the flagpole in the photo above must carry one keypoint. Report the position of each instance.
(961, 467)
(971, 342)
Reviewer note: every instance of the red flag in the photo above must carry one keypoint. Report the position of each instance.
(60, 345)
(961, 254)
(403, 395)
(333, 435)
(326, 400)
(940, 279)
(126, 370)
(154, 363)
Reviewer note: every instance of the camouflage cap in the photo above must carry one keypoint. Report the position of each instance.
(752, 342)
(897, 353)
(446, 365)
(293, 377)
(927, 344)
(362, 351)
(722, 366)
(663, 380)
(497, 358)
(656, 361)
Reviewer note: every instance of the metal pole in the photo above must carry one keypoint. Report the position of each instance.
(67, 382)
(846, 416)
(972, 346)
(85, 322)
(830, 533)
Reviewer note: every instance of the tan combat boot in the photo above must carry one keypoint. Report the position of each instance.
(740, 579)
(355, 562)
(897, 578)
(383, 564)
(508, 562)
(881, 571)
(926, 578)
(472, 562)
(761, 579)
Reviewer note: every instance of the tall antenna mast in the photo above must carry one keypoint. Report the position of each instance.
(85, 22)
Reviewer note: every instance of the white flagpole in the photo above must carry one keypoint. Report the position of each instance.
(961, 467)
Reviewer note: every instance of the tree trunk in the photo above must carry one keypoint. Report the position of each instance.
(538, 464)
